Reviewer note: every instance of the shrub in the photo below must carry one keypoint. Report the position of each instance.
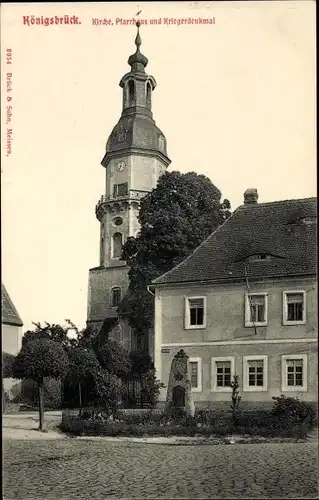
(139, 417)
(150, 387)
(258, 418)
(290, 412)
(235, 404)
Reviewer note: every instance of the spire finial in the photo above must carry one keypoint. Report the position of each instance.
(138, 61)
(138, 41)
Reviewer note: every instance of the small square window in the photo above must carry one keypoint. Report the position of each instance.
(294, 372)
(195, 312)
(120, 190)
(294, 308)
(255, 373)
(196, 309)
(256, 309)
(223, 370)
(222, 373)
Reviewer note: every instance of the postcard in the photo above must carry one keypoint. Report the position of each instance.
(159, 187)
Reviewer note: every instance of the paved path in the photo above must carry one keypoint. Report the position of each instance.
(63, 468)
(25, 426)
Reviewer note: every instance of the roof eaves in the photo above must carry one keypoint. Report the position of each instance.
(235, 279)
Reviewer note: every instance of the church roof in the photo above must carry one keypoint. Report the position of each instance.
(283, 231)
(137, 131)
(10, 315)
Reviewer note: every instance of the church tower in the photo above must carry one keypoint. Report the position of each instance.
(135, 157)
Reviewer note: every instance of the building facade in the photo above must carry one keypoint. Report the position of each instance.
(135, 158)
(11, 337)
(245, 303)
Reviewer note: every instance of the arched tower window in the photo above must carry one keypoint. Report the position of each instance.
(115, 296)
(117, 245)
(131, 93)
(148, 95)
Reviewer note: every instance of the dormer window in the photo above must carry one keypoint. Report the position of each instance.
(261, 257)
(309, 220)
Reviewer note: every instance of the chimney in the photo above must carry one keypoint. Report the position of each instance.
(251, 196)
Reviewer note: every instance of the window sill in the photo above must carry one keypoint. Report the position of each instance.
(252, 325)
(294, 388)
(196, 389)
(292, 323)
(255, 389)
(221, 389)
(195, 327)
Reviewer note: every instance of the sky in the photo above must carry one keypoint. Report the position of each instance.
(235, 99)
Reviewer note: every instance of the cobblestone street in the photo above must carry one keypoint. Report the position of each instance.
(95, 469)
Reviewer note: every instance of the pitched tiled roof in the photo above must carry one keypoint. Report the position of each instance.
(10, 315)
(276, 229)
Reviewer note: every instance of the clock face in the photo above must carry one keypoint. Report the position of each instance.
(121, 166)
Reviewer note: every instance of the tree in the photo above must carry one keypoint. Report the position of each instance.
(52, 332)
(175, 218)
(141, 363)
(150, 387)
(7, 362)
(108, 390)
(235, 399)
(114, 358)
(37, 359)
(83, 365)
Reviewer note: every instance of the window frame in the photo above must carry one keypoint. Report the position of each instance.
(284, 382)
(255, 388)
(285, 320)
(199, 374)
(187, 318)
(116, 190)
(248, 323)
(214, 387)
(112, 291)
(112, 245)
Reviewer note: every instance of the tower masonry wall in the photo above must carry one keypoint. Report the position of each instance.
(101, 282)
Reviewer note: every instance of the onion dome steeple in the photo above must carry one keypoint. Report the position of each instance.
(136, 130)
(138, 61)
